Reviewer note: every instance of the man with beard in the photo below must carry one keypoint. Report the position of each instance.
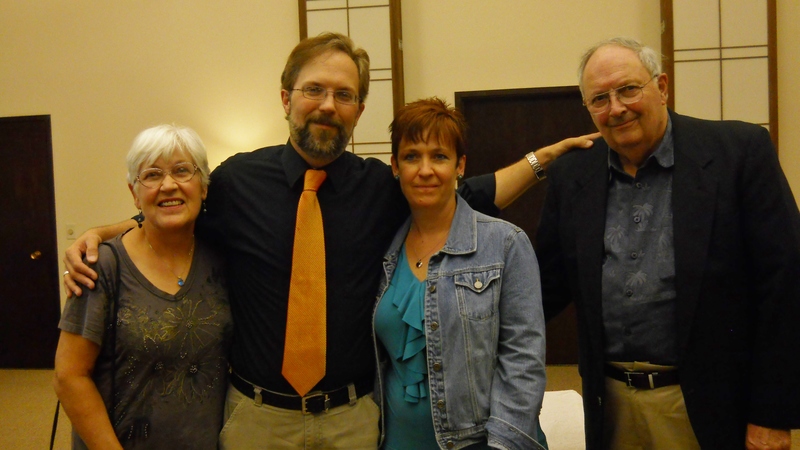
(251, 212)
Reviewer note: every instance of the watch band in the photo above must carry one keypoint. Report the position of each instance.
(537, 168)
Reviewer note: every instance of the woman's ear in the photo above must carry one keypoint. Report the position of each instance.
(135, 197)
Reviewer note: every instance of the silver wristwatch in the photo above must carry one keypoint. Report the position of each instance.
(537, 168)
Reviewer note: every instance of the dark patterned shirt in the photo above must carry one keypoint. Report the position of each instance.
(639, 308)
(170, 351)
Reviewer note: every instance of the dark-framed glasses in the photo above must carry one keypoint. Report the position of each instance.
(319, 94)
(153, 177)
(627, 95)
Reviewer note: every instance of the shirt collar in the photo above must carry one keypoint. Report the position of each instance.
(295, 168)
(664, 155)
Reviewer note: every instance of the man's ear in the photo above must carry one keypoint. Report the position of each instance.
(663, 87)
(360, 110)
(286, 99)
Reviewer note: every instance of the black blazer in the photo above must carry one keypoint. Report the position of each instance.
(737, 263)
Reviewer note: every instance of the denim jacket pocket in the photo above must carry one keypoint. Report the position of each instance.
(478, 293)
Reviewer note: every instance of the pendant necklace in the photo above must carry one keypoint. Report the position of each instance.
(181, 281)
(438, 246)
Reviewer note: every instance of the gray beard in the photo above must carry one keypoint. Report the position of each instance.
(328, 146)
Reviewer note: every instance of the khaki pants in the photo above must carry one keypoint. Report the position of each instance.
(248, 426)
(646, 419)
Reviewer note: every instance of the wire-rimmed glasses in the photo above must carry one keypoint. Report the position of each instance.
(153, 177)
(628, 94)
(319, 93)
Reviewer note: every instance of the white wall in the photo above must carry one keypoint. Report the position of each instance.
(106, 70)
(465, 45)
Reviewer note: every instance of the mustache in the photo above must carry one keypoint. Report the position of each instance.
(324, 120)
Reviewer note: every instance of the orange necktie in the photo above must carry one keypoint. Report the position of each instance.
(304, 351)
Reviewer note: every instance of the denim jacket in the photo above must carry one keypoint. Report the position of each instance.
(484, 330)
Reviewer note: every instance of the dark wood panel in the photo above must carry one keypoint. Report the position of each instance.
(503, 126)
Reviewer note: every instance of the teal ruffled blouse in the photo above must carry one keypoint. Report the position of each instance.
(399, 326)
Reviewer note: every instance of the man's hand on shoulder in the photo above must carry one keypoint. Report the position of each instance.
(77, 270)
(762, 438)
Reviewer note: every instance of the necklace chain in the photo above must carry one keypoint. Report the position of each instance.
(181, 281)
(436, 247)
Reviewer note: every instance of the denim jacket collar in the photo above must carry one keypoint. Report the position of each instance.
(461, 240)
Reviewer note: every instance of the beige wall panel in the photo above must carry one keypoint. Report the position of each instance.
(696, 23)
(325, 4)
(699, 89)
(746, 52)
(744, 22)
(745, 90)
(380, 74)
(696, 55)
(378, 114)
(369, 28)
(465, 45)
(334, 20)
(381, 151)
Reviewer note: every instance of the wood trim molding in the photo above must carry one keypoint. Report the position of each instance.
(396, 31)
(772, 54)
(302, 13)
(668, 48)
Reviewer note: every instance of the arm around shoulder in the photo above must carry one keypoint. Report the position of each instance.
(514, 180)
(77, 271)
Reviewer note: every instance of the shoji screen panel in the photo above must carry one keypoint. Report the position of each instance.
(723, 54)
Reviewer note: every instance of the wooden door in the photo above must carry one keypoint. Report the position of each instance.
(29, 297)
(502, 127)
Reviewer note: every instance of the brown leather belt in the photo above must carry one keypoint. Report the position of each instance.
(643, 380)
(313, 402)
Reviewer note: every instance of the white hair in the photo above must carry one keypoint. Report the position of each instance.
(162, 141)
(650, 59)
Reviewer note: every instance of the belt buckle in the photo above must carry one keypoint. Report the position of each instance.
(630, 381)
(315, 402)
(649, 379)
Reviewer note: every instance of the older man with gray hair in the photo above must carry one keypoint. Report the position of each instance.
(678, 239)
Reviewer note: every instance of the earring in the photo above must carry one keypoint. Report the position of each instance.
(204, 207)
(139, 218)
(460, 176)
(397, 176)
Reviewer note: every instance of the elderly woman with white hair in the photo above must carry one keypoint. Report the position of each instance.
(141, 361)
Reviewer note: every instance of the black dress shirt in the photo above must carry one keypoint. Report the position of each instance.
(251, 212)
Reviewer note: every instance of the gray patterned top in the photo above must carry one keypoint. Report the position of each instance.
(171, 352)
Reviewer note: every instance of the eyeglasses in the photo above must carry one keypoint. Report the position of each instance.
(320, 94)
(627, 95)
(181, 173)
